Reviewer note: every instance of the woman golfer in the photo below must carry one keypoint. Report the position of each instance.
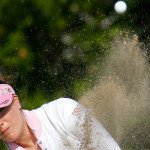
(62, 124)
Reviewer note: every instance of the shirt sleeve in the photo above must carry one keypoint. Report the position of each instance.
(79, 121)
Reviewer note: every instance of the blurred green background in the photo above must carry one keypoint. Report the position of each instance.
(47, 46)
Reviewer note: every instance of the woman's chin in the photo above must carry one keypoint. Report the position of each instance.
(10, 138)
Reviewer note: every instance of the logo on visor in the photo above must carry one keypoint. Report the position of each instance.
(5, 102)
(6, 91)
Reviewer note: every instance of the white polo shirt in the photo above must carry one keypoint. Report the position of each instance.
(64, 124)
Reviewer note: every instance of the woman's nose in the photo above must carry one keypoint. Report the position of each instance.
(1, 122)
(1, 126)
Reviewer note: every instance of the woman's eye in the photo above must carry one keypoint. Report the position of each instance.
(1, 109)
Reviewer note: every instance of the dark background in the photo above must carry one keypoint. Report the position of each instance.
(47, 46)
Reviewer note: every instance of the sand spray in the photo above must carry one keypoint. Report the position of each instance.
(120, 98)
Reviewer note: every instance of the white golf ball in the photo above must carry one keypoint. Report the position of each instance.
(120, 7)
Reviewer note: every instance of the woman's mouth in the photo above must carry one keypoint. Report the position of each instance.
(4, 132)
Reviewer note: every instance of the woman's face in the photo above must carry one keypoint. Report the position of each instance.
(11, 121)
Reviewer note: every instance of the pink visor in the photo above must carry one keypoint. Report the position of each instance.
(6, 96)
